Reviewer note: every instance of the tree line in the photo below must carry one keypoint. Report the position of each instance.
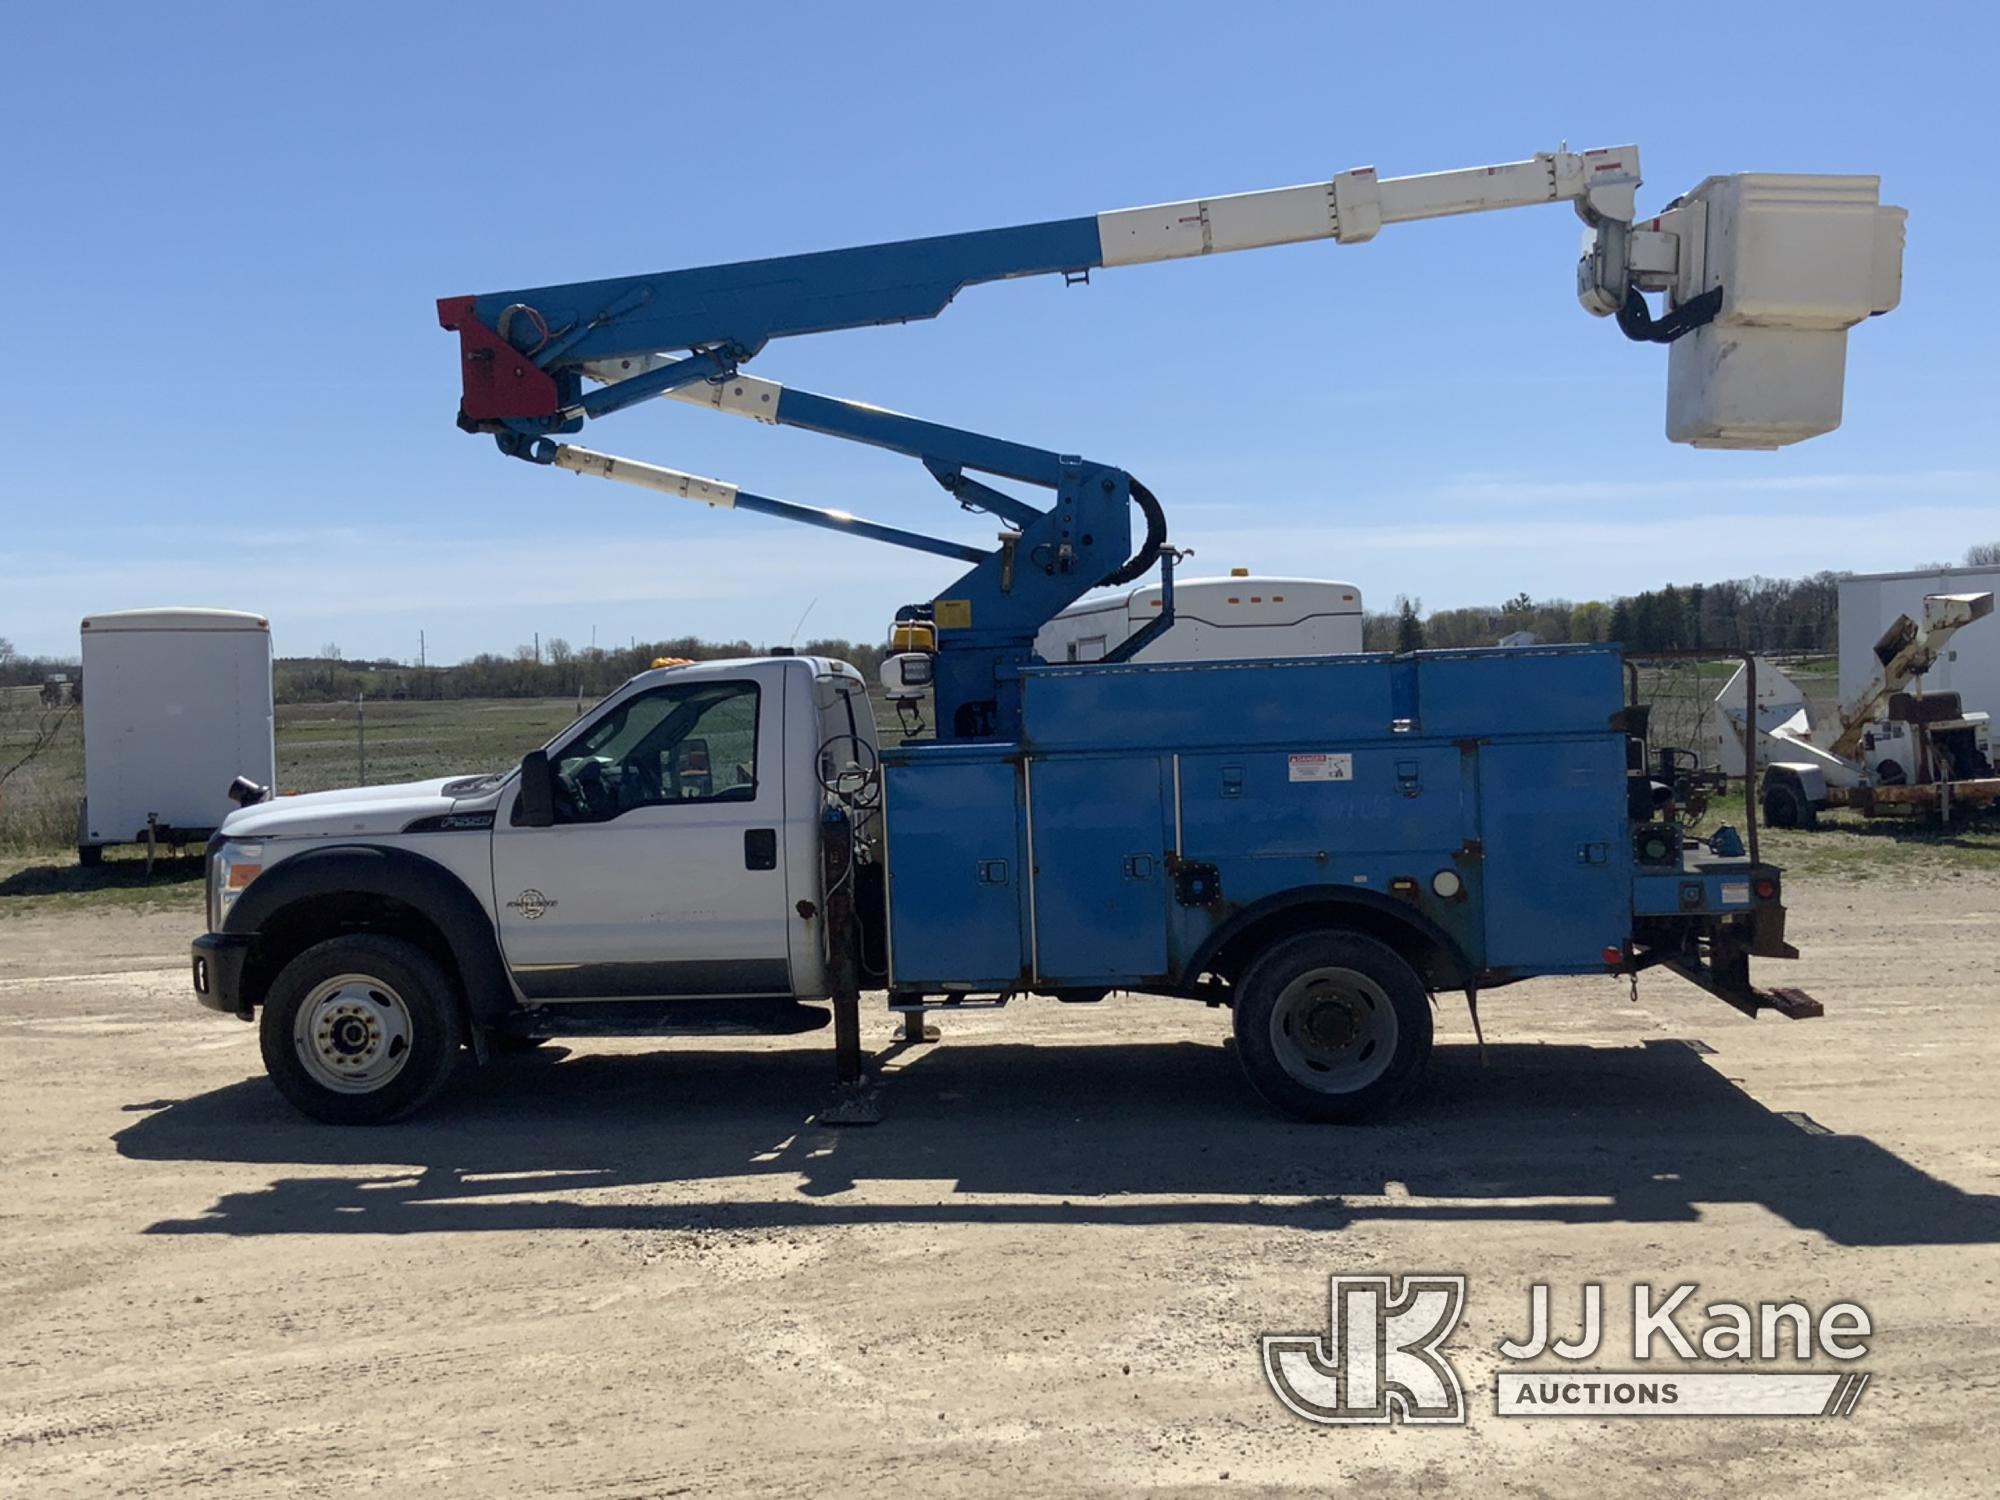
(552, 668)
(1787, 615)
(1770, 615)
(1773, 615)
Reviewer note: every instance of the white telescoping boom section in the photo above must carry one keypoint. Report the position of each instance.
(1355, 205)
(1765, 273)
(1350, 209)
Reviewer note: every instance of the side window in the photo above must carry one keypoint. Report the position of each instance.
(681, 744)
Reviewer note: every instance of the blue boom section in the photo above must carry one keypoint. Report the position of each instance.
(745, 304)
(523, 352)
(1478, 797)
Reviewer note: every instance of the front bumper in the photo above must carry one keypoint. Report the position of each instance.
(218, 961)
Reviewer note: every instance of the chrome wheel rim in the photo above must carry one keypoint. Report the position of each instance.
(1334, 1030)
(353, 1033)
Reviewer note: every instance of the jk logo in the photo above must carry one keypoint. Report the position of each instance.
(1380, 1359)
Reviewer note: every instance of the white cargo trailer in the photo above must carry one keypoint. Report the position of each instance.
(1215, 619)
(176, 705)
(1970, 665)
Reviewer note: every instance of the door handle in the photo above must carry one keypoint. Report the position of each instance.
(760, 848)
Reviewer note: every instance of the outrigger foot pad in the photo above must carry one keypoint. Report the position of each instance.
(857, 1103)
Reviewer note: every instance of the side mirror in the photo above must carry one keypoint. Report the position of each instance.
(537, 805)
(246, 793)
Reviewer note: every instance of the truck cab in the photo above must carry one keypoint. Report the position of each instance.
(671, 879)
(681, 837)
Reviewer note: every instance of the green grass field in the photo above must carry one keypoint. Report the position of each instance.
(1847, 846)
(320, 746)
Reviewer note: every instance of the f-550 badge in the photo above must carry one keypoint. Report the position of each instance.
(531, 903)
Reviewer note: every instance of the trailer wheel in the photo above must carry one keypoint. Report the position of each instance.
(360, 1030)
(1786, 806)
(1332, 1026)
(90, 856)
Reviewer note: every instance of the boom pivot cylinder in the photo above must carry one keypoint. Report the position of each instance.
(713, 492)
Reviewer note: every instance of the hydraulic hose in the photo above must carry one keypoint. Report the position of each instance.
(1141, 562)
(1637, 323)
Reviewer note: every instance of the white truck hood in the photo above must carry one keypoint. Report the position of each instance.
(361, 809)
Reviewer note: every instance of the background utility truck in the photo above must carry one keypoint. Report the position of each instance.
(1320, 844)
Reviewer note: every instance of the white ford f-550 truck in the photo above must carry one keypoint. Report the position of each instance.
(381, 928)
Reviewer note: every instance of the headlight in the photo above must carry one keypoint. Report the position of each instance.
(235, 866)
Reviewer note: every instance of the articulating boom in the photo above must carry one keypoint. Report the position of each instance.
(526, 355)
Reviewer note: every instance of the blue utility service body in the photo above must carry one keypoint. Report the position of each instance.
(1148, 809)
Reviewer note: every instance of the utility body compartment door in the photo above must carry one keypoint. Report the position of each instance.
(1100, 827)
(1557, 871)
(957, 875)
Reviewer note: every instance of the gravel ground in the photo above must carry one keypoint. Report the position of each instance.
(636, 1269)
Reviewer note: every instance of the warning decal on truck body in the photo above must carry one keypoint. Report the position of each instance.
(1323, 767)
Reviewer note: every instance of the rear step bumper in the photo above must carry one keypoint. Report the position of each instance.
(1792, 1004)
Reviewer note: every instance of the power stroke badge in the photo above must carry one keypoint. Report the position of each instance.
(532, 905)
(1383, 1357)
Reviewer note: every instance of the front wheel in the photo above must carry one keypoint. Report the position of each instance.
(360, 1030)
(1332, 1026)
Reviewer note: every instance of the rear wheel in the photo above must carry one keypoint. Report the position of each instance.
(359, 1030)
(1332, 1026)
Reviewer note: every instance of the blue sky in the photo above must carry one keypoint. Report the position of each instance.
(227, 226)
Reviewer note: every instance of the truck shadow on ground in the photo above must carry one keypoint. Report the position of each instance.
(979, 1132)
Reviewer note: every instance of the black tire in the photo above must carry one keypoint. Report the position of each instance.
(90, 856)
(1332, 1026)
(1786, 806)
(385, 1009)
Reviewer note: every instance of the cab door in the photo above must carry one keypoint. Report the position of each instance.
(663, 875)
